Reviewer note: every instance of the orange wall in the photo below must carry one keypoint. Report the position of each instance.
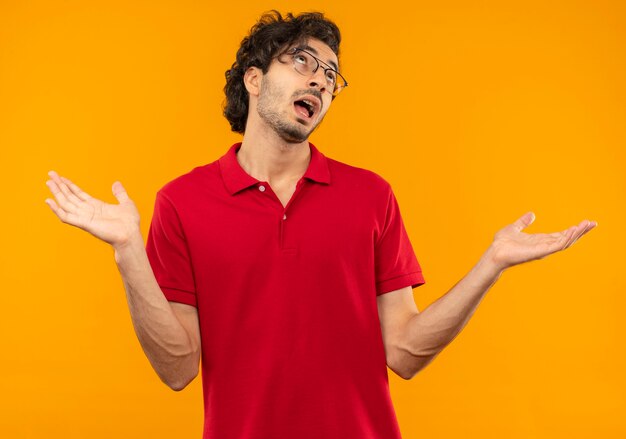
(475, 112)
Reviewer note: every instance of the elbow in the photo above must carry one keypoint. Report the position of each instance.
(175, 385)
(407, 374)
(178, 385)
(402, 366)
(407, 364)
(178, 374)
(178, 382)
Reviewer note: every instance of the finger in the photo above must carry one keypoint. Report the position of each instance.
(578, 232)
(561, 235)
(56, 209)
(590, 225)
(571, 237)
(120, 192)
(66, 217)
(524, 221)
(71, 198)
(55, 177)
(81, 194)
(563, 238)
(60, 197)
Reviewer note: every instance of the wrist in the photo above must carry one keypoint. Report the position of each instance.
(490, 263)
(133, 241)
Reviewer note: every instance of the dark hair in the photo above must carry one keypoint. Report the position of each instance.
(271, 34)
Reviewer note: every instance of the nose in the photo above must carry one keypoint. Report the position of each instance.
(318, 80)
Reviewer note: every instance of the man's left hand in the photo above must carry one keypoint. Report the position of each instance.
(511, 246)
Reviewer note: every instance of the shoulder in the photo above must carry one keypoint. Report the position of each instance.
(191, 183)
(358, 179)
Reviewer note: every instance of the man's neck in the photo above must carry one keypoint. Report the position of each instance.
(272, 159)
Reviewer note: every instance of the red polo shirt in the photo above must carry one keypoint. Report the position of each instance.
(286, 296)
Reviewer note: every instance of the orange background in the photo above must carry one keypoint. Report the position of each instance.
(475, 112)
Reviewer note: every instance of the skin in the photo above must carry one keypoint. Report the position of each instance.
(280, 119)
(275, 146)
(413, 339)
(275, 150)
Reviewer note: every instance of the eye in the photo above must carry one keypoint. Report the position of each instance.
(331, 77)
(300, 59)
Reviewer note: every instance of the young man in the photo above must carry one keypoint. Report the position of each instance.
(290, 274)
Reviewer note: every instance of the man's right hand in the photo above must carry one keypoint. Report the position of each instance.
(169, 333)
(115, 224)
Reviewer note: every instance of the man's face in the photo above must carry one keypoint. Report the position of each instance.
(293, 104)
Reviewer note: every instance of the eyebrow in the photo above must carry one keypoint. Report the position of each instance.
(329, 63)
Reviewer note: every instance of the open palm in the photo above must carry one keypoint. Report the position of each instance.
(511, 246)
(112, 223)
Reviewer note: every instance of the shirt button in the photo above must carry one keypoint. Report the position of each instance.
(262, 188)
(285, 216)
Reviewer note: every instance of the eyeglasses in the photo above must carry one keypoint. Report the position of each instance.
(306, 64)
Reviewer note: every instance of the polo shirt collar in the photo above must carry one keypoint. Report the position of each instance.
(236, 179)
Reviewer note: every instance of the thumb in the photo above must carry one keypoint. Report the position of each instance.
(120, 192)
(526, 220)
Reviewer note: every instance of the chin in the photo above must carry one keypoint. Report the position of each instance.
(290, 138)
(294, 134)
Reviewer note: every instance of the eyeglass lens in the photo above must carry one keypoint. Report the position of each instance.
(306, 64)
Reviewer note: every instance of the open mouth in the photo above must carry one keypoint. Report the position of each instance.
(305, 108)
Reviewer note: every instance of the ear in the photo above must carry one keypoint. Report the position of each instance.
(252, 80)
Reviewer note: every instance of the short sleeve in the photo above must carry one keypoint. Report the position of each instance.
(396, 264)
(168, 253)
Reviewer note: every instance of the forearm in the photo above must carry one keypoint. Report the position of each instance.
(173, 353)
(430, 331)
